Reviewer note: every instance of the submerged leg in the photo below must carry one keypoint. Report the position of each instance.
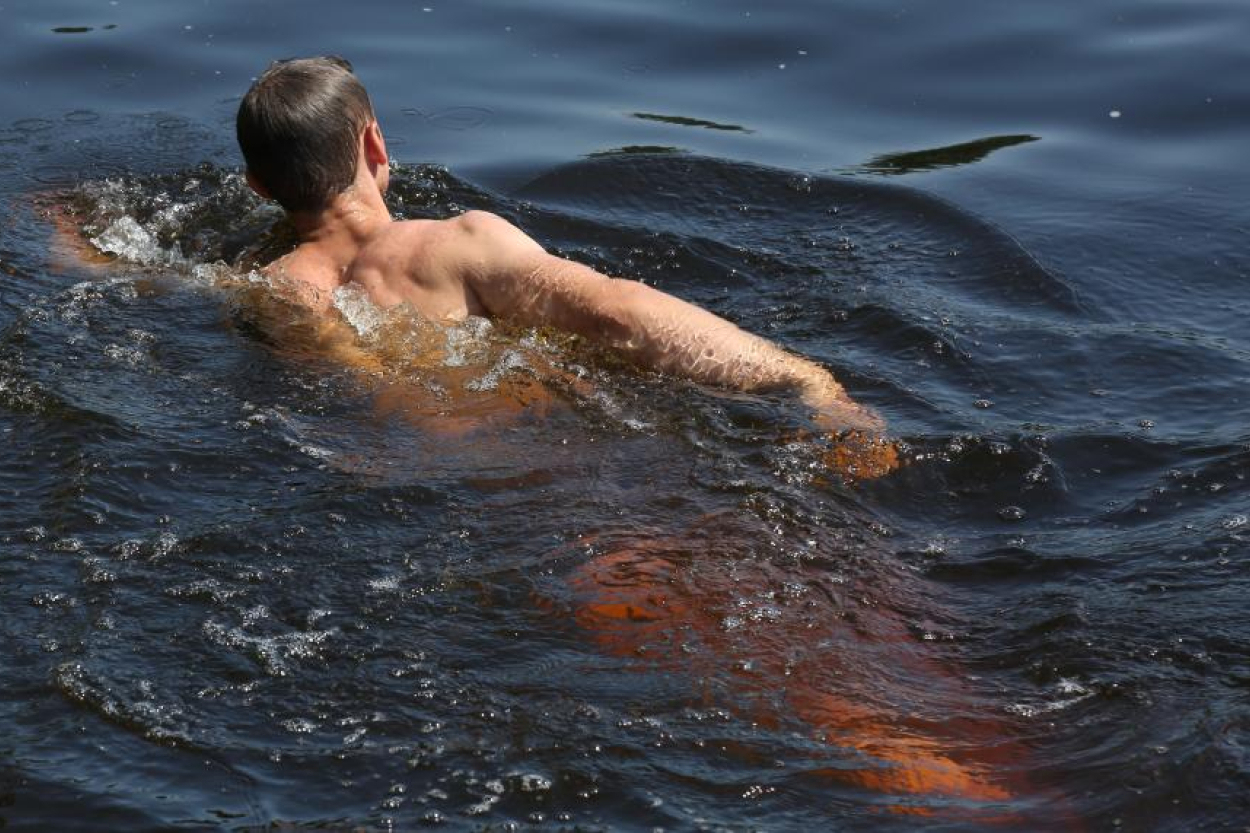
(859, 681)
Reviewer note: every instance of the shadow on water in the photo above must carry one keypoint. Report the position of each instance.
(504, 580)
(642, 149)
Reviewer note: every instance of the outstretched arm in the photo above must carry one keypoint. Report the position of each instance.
(517, 280)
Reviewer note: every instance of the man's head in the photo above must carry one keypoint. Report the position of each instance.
(300, 127)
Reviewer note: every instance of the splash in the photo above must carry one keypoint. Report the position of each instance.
(127, 239)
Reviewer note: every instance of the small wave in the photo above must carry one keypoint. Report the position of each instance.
(136, 707)
(200, 216)
(275, 654)
(1067, 693)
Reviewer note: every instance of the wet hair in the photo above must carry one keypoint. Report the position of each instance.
(299, 127)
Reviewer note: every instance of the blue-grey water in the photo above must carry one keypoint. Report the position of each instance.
(509, 583)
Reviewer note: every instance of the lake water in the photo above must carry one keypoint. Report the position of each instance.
(508, 583)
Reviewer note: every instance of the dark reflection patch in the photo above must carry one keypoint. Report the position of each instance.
(687, 121)
(964, 153)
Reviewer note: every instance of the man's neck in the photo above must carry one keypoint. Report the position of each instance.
(339, 232)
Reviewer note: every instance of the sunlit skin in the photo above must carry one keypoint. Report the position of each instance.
(479, 264)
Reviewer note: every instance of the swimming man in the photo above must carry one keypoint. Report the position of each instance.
(312, 143)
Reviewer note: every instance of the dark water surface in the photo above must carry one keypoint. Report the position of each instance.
(507, 583)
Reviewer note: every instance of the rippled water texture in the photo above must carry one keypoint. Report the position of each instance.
(500, 579)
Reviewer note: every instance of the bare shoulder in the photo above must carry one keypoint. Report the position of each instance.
(485, 228)
(481, 222)
(473, 244)
(432, 240)
(493, 246)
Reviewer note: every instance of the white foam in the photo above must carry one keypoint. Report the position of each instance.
(1070, 693)
(299, 726)
(465, 339)
(129, 240)
(510, 361)
(361, 313)
(272, 652)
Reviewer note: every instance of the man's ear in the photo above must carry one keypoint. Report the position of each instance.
(255, 185)
(374, 145)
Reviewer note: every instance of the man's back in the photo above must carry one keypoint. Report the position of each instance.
(418, 262)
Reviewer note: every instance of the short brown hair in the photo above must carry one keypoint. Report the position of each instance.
(298, 127)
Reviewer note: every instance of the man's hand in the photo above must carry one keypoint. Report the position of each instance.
(833, 410)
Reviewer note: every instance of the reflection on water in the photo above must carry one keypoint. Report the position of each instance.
(686, 121)
(638, 149)
(80, 30)
(963, 153)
